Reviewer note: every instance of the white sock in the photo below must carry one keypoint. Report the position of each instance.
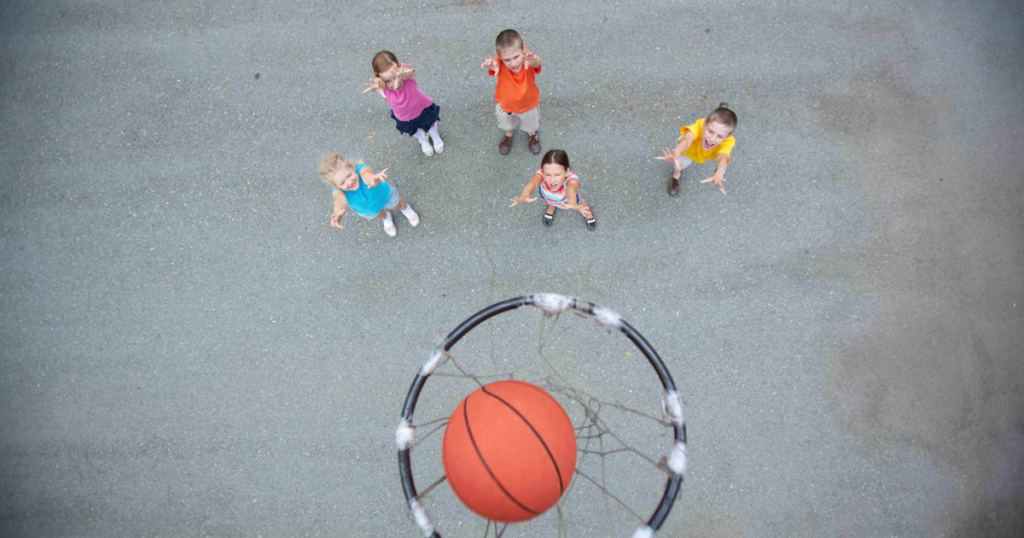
(421, 136)
(434, 134)
(387, 218)
(408, 211)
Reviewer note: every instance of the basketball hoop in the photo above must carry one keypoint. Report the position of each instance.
(592, 427)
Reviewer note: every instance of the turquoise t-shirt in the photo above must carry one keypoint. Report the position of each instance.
(365, 200)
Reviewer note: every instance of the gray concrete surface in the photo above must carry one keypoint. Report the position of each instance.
(188, 349)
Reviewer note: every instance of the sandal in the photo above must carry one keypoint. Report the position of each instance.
(673, 186)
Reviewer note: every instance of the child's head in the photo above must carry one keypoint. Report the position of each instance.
(719, 126)
(339, 172)
(386, 65)
(554, 167)
(510, 49)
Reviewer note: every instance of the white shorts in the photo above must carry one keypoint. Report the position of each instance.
(528, 121)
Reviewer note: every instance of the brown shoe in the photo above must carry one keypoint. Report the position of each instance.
(673, 186)
(505, 145)
(534, 144)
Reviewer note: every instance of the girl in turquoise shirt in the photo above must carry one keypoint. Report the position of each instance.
(356, 186)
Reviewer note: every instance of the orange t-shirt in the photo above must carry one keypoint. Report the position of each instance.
(516, 92)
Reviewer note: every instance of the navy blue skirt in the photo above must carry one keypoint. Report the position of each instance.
(427, 118)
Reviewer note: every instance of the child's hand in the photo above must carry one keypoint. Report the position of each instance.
(380, 176)
(396, 84)
(717, 180)
(520, 199)
(669, 156)
(336, 218)
(531, 58)
(491, 65)
(376, 84)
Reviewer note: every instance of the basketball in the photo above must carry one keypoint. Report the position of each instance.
(509, 451)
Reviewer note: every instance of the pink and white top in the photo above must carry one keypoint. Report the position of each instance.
(409, 102)
(558, 197)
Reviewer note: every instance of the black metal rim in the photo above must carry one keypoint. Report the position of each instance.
(674, 481)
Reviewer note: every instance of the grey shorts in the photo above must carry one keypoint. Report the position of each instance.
(528, 121)
(392, 203)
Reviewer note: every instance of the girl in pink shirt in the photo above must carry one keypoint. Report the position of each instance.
(414, 113)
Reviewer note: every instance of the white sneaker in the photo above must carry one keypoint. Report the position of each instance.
(438, 144)
(425, 146)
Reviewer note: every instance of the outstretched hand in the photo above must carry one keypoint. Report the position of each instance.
(490, 64)
(380, 176)
(717, 181)
(531, 58)
(336, 218)
(375, 85)
(520, 199)
(669, 156)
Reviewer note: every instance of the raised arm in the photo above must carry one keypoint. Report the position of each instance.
(723, 163)
(532, 58)
(684, 143)
(530, 187)
(340, 207)
(406, 72)
(491, 65)
(572, 186)
(371, 179)
(376, 84)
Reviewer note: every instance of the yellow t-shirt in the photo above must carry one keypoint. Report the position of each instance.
(696, 150)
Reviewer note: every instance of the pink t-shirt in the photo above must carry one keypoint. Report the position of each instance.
(409, 102)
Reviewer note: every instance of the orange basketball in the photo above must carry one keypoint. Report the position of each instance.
(509, 451)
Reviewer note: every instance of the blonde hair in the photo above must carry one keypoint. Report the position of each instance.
(332, 163)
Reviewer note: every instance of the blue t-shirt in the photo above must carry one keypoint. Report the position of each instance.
(365, 200)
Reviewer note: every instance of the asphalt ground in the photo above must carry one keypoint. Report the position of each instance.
(187, 348)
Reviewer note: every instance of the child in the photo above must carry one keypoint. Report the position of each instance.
(356, 186)
(414, 113)
(516, 93)
(559, 186)
(707, 138)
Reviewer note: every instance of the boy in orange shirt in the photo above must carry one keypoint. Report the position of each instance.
(516, 93)
(707, 138)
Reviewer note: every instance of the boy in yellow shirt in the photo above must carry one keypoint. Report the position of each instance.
(707, 138)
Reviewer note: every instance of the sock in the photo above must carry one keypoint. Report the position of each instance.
(387, 218)
(433, 132)
(421, 136)
(408, 212)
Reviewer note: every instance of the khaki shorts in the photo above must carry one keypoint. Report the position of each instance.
(528, 121)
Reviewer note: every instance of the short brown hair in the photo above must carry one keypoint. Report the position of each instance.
(382, 61)
(723, 115)
(508, 39)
